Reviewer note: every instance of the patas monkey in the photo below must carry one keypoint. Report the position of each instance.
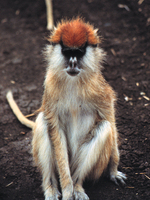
(75, 135)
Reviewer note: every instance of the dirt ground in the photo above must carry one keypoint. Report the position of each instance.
(125, 27)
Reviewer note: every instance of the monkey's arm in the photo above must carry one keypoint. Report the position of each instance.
(61, 155)
(17, 111)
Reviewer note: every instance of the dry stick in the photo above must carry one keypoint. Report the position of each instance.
(30, 115)
(17, 111)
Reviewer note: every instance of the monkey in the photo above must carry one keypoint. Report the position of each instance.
(75, 135)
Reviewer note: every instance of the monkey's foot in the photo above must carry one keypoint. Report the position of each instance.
(118, 176)
(52, 194)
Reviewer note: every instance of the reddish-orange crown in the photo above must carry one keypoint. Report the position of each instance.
(74, 33)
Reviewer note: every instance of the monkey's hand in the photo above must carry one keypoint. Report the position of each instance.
(52, 194)
(67, 193)
(114, 176)
(80, 196)
(79, 193)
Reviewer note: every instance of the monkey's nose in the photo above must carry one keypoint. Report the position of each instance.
(73, 62)
(73, 68)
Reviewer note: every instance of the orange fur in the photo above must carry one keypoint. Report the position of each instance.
(74, 33)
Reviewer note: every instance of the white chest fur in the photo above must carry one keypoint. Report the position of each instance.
(76, 119)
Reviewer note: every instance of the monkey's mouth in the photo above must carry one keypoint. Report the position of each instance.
(73, 72)
(73, 68)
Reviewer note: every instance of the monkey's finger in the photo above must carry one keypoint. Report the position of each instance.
(120, 176)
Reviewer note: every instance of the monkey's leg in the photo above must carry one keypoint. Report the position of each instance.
(93, 157)
(113, 164)
(43, 156)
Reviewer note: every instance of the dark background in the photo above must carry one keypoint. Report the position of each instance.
(126, 33)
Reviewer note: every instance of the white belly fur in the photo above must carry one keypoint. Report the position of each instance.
(76, 123)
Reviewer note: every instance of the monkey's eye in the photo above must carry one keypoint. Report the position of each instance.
(94, 45)
(73, 52)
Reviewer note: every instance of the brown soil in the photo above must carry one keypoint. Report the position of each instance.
(126, 40)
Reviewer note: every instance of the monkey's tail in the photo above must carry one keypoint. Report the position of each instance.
(17, 111)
